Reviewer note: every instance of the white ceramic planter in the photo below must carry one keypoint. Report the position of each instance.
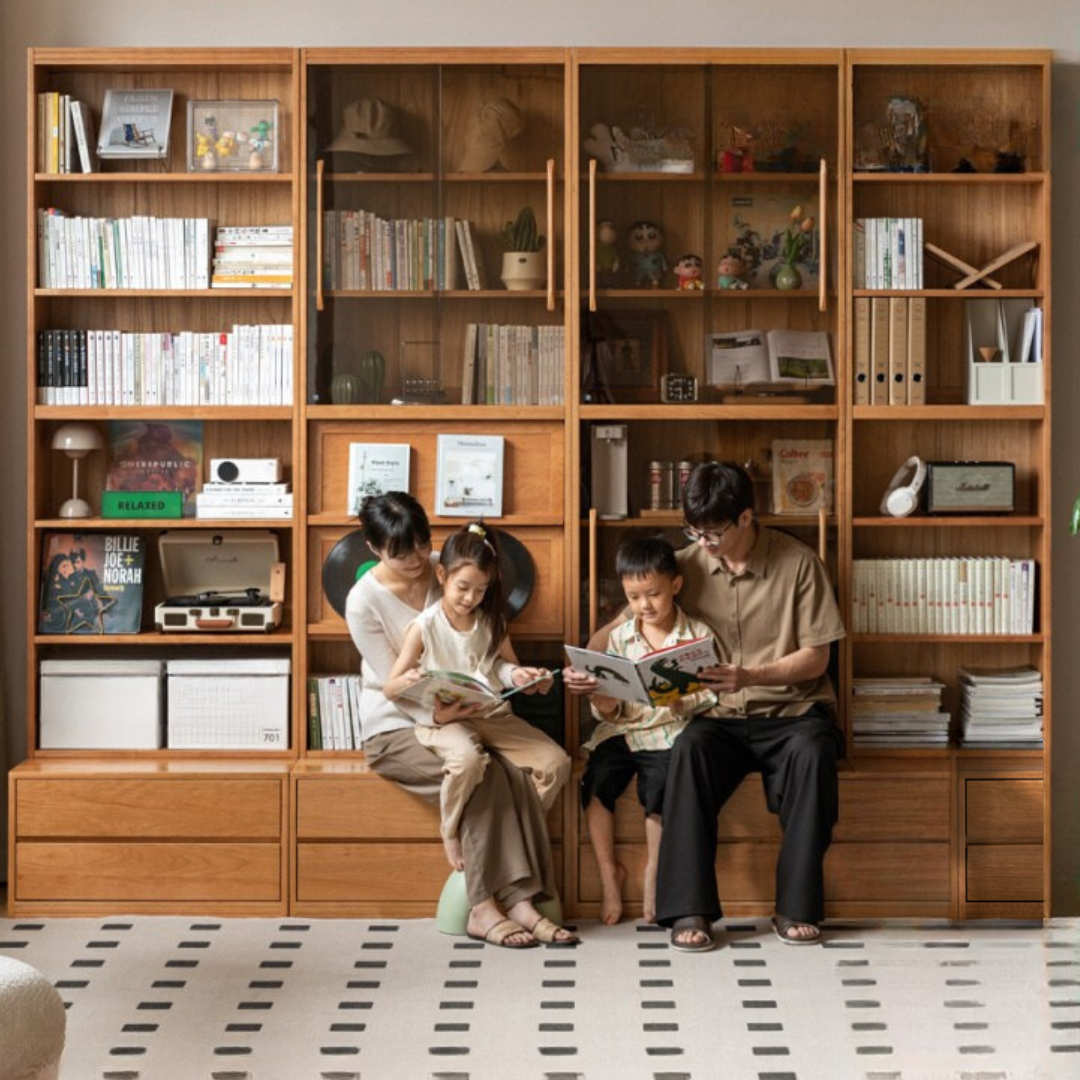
(523, 270)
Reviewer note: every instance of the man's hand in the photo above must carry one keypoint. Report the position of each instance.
(725, 678)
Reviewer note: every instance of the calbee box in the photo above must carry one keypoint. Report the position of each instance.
(237, 704)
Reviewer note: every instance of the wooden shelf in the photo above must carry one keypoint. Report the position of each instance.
(710, 412)
(954, 521)
(946, 413)
(151, 639)
(494, 414)
(254, 413)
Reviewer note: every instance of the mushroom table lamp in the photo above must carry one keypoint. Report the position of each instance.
(76, 440)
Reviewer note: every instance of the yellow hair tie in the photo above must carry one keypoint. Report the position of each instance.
(478, 530)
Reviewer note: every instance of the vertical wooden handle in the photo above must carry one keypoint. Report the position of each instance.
(319, 234)
(592, 234)
(593, 599)
(551, 234)
(822, 533)
(823, 232)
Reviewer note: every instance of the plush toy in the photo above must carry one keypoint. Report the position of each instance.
(646, 262)
(689, 272)
(731, 272)
(607, 253)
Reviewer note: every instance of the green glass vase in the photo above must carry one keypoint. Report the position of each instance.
(788, 277)
(371, 373)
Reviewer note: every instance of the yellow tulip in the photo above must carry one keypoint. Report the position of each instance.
(796, 213)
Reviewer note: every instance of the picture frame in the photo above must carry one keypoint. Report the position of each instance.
(469, 476)
(633, 362)
(233, 136)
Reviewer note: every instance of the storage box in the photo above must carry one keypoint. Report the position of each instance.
(232, 136)
(228, 704)
(100, 705)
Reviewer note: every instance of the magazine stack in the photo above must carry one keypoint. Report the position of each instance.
(898, 711)
(1002, 708)
(252, 257)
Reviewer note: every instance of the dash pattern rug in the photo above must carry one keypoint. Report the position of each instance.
(295, 999)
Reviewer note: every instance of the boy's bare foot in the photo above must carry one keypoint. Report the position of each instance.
(452, 847)
(611, 886)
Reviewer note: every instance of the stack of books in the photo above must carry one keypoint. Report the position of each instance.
(242, 502)
(888, 253)
(252, 257)
(898, 711)
(1001, 707)
(334, 712)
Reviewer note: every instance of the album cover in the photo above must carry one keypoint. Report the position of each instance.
(156, 456)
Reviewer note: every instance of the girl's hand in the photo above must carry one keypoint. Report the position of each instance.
(579, 682)
(523, 675)
(444, 713)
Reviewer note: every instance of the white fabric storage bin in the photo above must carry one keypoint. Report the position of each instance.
(228, 704)
(100, 705)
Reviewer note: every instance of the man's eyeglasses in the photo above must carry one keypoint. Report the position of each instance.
(709, 539)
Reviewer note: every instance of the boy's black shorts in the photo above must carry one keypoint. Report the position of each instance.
(612, 765)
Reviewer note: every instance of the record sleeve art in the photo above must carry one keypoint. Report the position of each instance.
(350, 558)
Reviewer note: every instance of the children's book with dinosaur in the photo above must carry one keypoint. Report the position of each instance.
(659, 678)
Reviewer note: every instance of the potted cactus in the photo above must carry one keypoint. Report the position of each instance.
(523, 263)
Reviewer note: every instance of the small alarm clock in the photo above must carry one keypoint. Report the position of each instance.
(677, 388)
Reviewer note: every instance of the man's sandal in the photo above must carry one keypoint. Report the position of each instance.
(699, 924)
(783, 927)
(501, 931)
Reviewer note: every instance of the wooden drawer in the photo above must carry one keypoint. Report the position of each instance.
(747, 872)
(908, 809)
(1003, 811)
(159, 807)
(1004, 872)
(359, 873)
(363, 806)
(119, 873)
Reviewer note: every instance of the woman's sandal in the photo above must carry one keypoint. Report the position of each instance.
(503, 929)
(547, 932)
(783, 926)
(698, 923)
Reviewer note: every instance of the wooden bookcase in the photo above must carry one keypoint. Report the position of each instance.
(923, 832)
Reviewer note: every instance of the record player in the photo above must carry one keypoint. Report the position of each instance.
(228, 580)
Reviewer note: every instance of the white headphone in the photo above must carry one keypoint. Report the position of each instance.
(901, 499)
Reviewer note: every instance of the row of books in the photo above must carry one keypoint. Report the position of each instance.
(334, 712)
(247, 365)
(256, 257)
(890, 350)
(364, 251)
(512, 365)
(898, 711)
(138, 252)
(239, 502)
(1001, 707)
(65, 134)
(888, 253)
(965, 595)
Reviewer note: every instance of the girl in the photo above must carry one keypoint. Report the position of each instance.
(465, 631)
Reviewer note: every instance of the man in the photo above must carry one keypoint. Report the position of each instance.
(770, 604)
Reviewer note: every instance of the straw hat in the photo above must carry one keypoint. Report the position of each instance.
(370, 126)
(496, 122)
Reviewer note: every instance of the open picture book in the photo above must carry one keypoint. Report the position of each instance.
(660, 678)
(453, 686)
(791, 358)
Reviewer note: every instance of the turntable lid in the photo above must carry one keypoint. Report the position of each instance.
(223, 560)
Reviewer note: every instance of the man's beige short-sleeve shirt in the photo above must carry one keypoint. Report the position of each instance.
(780, 603)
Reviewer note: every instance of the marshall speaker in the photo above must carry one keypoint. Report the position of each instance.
(970, 487)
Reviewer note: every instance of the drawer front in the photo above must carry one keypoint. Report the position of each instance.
(366, 806)
(853, 872)
(1004, 872)
(1004, 811)
(205, 809)
(119, 873)
(358, 873)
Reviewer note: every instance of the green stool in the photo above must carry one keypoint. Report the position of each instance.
(452, 913)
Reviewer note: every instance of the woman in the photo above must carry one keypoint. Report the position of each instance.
(504, 837)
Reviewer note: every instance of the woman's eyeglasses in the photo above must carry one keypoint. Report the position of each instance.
(709, 539)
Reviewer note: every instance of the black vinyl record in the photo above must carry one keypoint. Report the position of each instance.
(350, 558)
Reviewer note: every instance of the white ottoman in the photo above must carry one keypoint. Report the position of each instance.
(32, 1023)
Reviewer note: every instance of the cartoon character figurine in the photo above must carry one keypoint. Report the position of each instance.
(689, 272)
(731, 272)
(225, 145)
(204, 151)
(646, 261)
(607, 253)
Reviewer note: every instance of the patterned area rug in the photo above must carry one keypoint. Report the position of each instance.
(294, 999)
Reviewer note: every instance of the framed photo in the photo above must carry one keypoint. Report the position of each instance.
(636, 355)
(232, 136)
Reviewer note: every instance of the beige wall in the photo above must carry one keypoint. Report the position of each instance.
(927, 23)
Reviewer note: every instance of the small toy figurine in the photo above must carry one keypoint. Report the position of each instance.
(225, 145)
(204, 151)
(646, 261)
(689, 272)
(607, 253)
(731, 272)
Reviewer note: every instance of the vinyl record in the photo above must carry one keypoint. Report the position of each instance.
(348, 560)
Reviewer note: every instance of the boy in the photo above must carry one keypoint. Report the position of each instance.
(632, 738)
